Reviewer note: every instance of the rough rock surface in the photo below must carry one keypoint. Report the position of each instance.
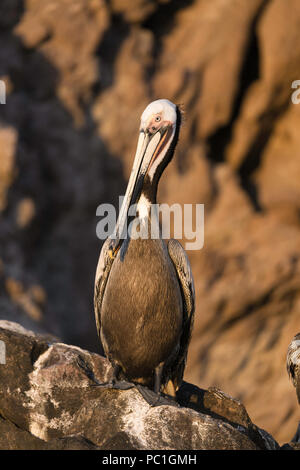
(48, 400)
(78, 74)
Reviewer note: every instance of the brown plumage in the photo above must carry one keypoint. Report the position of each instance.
(293, 363)
(293, 368)
(144, 291)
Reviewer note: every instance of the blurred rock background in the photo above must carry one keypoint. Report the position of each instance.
(78, 74)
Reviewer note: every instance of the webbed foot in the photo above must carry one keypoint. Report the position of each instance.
(115, 384)
(156, 399)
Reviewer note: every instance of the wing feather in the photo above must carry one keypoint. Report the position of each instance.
(184, 273)
(102, 273)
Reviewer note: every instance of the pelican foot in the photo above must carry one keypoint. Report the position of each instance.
(117, 385)
(123, 385)
(156, 399)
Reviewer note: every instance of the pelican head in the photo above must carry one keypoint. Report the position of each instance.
(159, 123)
(159, 130)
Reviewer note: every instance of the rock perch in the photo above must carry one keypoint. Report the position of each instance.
(48, 401)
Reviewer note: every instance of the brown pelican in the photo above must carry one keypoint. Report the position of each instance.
(293, 368)
(144, 290)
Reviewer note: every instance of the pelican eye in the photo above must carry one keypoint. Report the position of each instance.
(157, 119)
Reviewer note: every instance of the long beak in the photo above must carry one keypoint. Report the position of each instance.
(147, 148)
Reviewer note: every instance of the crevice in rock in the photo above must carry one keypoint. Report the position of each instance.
(10, 13)
(108, 50)
(37, 350)
(249, 73)
(188, 391)
(8, 420)
(247, 354)
(87, 368)
(252, 160)
(161, 23)
(34, 74)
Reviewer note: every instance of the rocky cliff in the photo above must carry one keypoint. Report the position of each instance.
(50, 399)
(78, 74)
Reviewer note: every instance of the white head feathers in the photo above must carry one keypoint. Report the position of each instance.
(164, 107)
